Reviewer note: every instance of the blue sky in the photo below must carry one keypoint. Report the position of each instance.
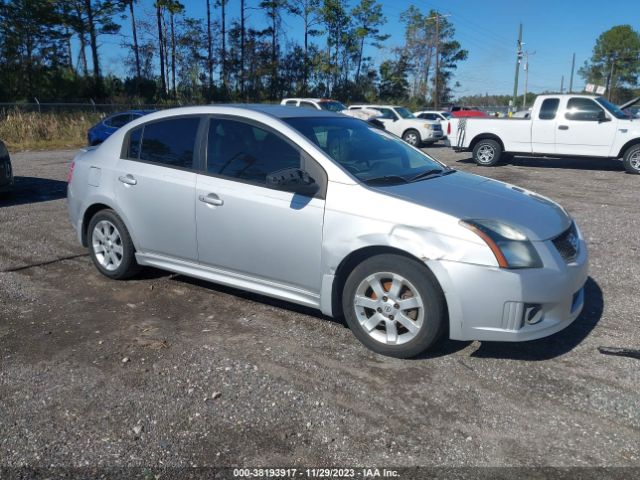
(488, 29)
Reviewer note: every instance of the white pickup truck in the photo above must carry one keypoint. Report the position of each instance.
(559, 125)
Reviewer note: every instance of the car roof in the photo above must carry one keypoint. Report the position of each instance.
(277, 111)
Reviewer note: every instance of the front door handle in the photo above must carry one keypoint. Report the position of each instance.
(212, 199)
(563, 127)
(128, 180)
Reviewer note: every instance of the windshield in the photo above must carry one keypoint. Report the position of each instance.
(611, 108)
(368, 153)
(404, 112)
(446, 115)
(332, 106)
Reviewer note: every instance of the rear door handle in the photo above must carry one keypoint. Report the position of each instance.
(563, 127)
(212, 199)
(128, 180)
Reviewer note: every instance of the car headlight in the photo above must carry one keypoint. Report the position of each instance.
(428, 126)
(511, 247)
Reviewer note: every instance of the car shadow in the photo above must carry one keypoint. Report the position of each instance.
(535, 350)
(570, 163)
(557, 344)
(28, 190)
(256, 297)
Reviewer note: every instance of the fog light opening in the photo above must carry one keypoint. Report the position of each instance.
(533, 313)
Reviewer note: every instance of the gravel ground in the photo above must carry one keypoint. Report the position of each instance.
(163, 370)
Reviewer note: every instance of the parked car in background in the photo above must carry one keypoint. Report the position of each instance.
(6, 172)
(315, 103)
(401, 122)
(321, 210)
(103, 129)
(560, 125)
(367, 114)
(440, 115)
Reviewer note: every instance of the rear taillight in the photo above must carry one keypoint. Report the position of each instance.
(448, 128)
(70, 174)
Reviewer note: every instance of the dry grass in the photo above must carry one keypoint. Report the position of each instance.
(34, 131)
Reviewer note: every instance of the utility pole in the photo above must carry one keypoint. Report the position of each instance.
(526, 77)
(610, 81)
(436, 101)
(573, 66)
(518, 60)
(242, 12)
(436, 90)
(562, 85)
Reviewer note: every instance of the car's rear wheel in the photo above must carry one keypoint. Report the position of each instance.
(631, 160)
(110, 246)
(487, 152)
(412, 137)
(394, 305)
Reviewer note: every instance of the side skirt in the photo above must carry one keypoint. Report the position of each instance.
(231, 279)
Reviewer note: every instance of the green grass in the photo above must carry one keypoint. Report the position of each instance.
(43, 131)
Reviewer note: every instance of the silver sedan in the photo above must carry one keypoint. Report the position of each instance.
(325, 211)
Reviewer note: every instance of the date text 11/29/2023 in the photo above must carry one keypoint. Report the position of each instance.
(364, 473)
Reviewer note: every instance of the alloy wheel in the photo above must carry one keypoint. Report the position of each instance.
(107, 245)
(486, 154)
(389, 308)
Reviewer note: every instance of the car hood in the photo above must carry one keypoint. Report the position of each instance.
(419, 122)
(467, 196)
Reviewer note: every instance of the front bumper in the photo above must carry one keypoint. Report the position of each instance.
(432, 135)
(489, 303)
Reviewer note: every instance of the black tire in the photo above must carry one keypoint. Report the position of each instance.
(631, 160)
(487, 152)
(128, 265)
(434, 315)
(412, 137)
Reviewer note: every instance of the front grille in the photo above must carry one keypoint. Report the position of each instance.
(437, 126)
(567, 243)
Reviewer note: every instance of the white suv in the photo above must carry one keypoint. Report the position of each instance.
(401, 122)
(315, 103)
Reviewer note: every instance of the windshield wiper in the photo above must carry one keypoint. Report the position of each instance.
(385, 180)
(431, 173)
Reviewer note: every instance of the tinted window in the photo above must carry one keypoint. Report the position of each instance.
(170, 142)
(118, 121)
(583, 109)
(290, 103)
(243, 151)
(133, 148)
(429, 116)
(549, 108)
(308, 105)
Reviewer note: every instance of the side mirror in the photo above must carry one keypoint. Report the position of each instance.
(602, 117)
(293, 180)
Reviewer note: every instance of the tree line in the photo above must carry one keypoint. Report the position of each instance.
(54, 50)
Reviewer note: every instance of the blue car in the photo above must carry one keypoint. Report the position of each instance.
(103, 129)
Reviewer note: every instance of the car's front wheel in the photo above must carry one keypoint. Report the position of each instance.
(412, 137)
(110, 246)
(631, 160)
(394, 305)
